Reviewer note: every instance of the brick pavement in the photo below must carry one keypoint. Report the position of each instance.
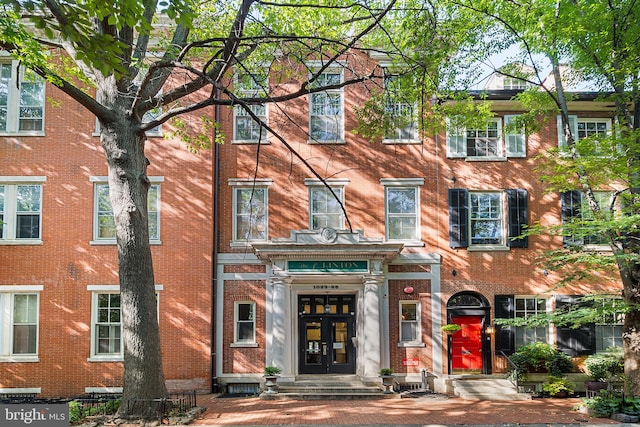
(428, 410)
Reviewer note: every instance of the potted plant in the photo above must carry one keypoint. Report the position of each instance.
(558, 387)
(388, 379)
(451, 328)
(271, 377)
(603, 368)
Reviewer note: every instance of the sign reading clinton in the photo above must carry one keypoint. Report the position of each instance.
(311, 266)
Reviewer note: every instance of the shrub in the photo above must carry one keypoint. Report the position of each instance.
(603, 405)
(605, 366)
(559, 363)
(386, 371)
(537, 356)
(556, 386)
(271, 370)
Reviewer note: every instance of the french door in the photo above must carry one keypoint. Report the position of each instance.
(326, 328)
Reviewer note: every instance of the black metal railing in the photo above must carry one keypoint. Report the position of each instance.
(515, 375)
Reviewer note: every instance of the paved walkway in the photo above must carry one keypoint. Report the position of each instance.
(421, 411)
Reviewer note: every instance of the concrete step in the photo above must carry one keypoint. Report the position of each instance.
(486, 388)
(316, 387)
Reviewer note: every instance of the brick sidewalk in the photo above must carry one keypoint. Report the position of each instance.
(253, 411)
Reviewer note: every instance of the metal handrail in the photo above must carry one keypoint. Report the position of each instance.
(516, 371)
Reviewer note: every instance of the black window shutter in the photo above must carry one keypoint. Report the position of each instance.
(518, 217)
(579, 341)
(458, 218)
(570, 209)
(505, 335)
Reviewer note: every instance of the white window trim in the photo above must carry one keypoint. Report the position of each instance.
(265, 135)
(103, 180)
(7, 313)
(10, 209)
(415, 183)
(502, 246)
(235, 183)
(549, 308)
(337, 183)
(417, 342)
(502, 141)
(236, 342)
(415, 140)
(95, 290)
(13, 105)
(337, 69)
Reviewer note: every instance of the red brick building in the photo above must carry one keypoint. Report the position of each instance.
(257, 264)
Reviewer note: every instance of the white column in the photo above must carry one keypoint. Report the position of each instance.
(279, 331)
(436, 320)
(372, 310)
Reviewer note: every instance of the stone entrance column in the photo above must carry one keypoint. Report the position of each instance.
(279, 333)
(373, 284)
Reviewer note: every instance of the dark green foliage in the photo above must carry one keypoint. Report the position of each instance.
(605, 366)
(536, 357)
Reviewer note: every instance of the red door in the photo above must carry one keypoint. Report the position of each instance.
(466, 344)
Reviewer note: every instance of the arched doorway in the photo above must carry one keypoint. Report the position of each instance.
(469, 349)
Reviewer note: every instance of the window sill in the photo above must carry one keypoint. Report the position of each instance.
(486, 159)
(19, 359)
(21, 242)
(243, 345)
(411, 344)
(22, 134)
(250, 142)
(488, 248)
(401, 141)
(118, 358)
(113, 242)
(328, 141)
(408, 243)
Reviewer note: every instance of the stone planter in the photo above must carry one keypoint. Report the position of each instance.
(388, 381)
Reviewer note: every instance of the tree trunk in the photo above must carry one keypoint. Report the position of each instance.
(123, 143)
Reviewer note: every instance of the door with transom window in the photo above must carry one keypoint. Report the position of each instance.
(326, 326)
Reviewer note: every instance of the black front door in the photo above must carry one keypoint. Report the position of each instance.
(326, 332)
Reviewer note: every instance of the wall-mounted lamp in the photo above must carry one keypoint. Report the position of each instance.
(327, 306)
(490, 330)
(454, 179)
(545, 272)
(454, 273)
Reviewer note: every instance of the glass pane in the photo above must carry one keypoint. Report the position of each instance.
(401, 201)
(245, 331)
(28, 226)
(339, 342)
(408, 331)
(245, 311)
(313, 336)
(24, 339)
(28, 198)
(409, 312)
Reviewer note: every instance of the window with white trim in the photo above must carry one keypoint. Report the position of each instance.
(498, 138)
(107, 325)
(526, 307)
(402, 203)
(583, 128)
(19, 314)
(22, 95)
(410, 328)
(246, 128)
(21, 209)
(104, 230)
(326, 109)
(486, 218)
(401, 124)
(250, 210)
(324, 209)
(608, 328)
(245, 322)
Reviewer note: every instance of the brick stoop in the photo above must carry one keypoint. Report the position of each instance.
(484, 387)
(327, 387)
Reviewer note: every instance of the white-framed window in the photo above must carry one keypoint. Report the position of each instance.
(402, 208)
(106, 322)
(250, 209)
(410, 322)
(608, 329)
(19, 322)
(22, 96)
(575, 209)
(324, 209)
(487, 218)
(326, 109)
(107, 325)
(104, 230)
(244, 322)
(525, 307)
(498, 138)
(582, 128)
(401, 122)
(246, 128)
(21, 209)
(511, 83)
